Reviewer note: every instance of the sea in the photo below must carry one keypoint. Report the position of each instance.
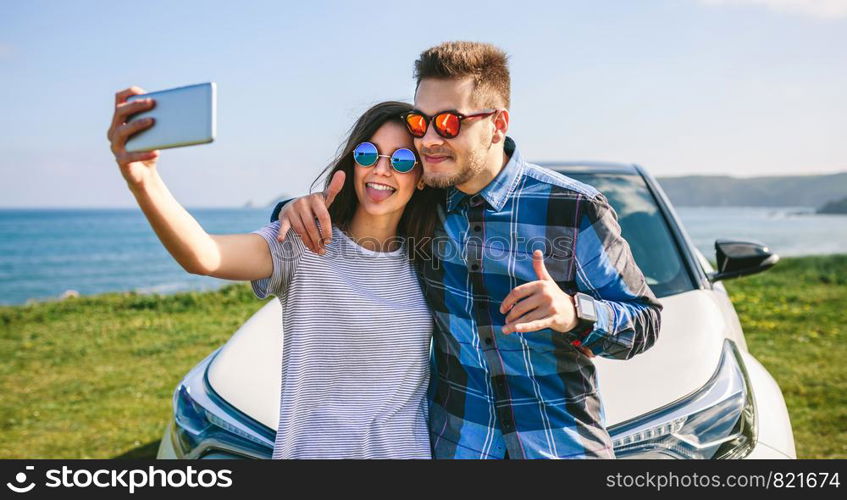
(45, 253)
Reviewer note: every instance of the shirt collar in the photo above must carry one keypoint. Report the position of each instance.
(500, 188)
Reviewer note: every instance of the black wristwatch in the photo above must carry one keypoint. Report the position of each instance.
(586, 313)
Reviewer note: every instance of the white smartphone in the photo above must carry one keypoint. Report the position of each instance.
(184, 116)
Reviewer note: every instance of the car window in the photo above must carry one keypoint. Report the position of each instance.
(645, 229)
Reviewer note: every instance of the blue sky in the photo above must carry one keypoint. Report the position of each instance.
(739, 87)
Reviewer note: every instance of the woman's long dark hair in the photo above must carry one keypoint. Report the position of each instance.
(417, 224)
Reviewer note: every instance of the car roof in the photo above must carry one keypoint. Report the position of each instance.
(591, 167)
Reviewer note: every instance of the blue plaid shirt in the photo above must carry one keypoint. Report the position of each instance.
(533, 394)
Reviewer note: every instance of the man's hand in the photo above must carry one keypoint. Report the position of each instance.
(300, 215)
(540, 304)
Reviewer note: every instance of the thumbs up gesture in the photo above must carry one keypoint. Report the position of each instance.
(539, 304)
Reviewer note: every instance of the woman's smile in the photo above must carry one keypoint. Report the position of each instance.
(378, 192)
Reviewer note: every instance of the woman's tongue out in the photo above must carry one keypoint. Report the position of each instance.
(378, 192)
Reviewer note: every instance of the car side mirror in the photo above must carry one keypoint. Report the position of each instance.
(741, 258)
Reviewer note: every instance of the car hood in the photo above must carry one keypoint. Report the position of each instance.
(246, 372)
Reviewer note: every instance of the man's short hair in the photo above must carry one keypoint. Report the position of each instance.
(487, 64)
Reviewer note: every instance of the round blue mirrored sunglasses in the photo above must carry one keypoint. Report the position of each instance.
(402, 160)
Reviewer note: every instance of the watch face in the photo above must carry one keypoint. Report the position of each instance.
(586, 307)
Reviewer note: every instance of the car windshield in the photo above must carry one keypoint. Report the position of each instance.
(645, 228)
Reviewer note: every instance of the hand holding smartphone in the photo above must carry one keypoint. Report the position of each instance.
(183, 116)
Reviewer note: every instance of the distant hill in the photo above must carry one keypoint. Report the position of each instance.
(834, 207)
(797, 190)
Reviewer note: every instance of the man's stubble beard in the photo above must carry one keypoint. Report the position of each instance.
(474, 165)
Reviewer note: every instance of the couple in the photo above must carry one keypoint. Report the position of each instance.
(519, 275)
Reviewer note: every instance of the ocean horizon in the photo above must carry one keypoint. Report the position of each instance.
(47, 252)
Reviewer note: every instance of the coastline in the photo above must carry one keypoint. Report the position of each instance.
(100, 251)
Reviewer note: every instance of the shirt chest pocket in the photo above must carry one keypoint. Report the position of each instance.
(544, 340)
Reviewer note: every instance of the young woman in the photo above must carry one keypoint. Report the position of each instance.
(356, 328)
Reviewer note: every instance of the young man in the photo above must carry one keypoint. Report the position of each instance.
(530, 276)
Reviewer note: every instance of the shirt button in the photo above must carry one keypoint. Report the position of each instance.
(474, 267)
(477, 228)
(488, 341)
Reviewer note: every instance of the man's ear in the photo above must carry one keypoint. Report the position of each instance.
(501, 126)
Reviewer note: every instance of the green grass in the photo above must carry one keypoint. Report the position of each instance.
(793, 317)
(93, 377)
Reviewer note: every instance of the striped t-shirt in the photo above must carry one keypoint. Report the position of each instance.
(355, 350)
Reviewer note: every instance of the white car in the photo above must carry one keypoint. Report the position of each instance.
(697, 393)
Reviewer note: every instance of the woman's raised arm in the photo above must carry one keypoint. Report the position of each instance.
(241, 257)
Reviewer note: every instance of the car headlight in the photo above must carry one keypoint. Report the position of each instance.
(717, 421)
(206, 426)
